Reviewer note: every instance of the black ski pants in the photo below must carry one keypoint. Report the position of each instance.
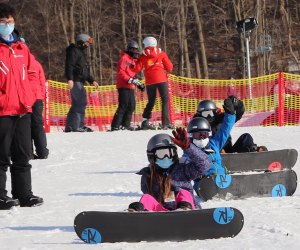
(76, 115)
(164, 94)
(15, 152)
(125, 109)
(38, 133)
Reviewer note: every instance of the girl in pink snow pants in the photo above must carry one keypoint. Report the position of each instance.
(166, 182)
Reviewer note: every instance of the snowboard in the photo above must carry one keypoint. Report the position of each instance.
(99, 227)
(255, 184)
(256, 161)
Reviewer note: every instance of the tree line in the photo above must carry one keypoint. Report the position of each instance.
(199, 36)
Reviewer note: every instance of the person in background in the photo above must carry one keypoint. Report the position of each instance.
(16, 100)
(208, 110)
(156, 65)
(126, 82)
(77, 73)
(38, 133)
(166, 183)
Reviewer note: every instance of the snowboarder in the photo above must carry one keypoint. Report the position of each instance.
(77, 73)
(155, 63)
(166, 183)
(208, 110)
(200, 134)
(126, 81)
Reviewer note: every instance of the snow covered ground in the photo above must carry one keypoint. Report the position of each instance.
(96, 171)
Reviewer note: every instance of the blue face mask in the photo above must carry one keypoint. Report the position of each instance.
(6, 29)
(165, 163)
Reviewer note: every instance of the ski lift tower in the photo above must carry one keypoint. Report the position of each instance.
(245, 27)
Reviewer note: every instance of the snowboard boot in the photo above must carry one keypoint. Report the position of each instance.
(169, 126)
(31, 201)
(184, 205)
(147, 126)
(262, 149)
(7, 203)
(136, 207)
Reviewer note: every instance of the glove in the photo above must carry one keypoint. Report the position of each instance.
(229, 106)
(141, 87)
(180, 138)
(134, 81)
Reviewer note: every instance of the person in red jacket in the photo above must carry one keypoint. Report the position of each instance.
(38, 133)
(16, 100)
(156, 65)
(126, 81)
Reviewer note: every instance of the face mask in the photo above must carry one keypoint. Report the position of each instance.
(6, 30)
(164, 163)
(201, 143)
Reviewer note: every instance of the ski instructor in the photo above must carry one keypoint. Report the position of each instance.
(16, 100)
(77, 73)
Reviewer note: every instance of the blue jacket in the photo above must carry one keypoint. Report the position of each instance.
(215, 145)
(181, 174)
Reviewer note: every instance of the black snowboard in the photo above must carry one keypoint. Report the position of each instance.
(98, 227)
(255, 161)
(256, 184)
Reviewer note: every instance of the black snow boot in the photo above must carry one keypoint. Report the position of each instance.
(184, 205)
(31, 201)
(7, 203)
(136, 207)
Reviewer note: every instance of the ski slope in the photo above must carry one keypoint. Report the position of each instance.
(96, 171)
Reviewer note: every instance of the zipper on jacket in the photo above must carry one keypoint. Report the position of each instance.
(23, 72)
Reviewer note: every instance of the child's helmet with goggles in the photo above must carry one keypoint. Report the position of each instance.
(161, 146)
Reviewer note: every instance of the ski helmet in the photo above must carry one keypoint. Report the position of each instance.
(82, 38)
(198, 124)
(132, 49)
(160, 141)
(150, 41)
(199, 131)
(207, 109)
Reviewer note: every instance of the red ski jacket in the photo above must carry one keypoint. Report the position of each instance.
(39, 80)
(156, 64)
(124, 72)
(16, 97)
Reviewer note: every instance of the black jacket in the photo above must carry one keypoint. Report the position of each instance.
(77, 68)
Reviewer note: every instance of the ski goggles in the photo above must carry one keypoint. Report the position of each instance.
(207, 113)
(161, 153)
(200, 135)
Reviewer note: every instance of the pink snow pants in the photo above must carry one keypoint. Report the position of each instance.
(151, 204)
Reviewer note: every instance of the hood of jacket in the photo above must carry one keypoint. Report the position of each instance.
(152, 52)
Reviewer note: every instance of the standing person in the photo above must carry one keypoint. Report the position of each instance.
(156, 65)
(16, 100)
(166, 183)
(77, 73)
(208, 110)
(38, 133)
(125, 84)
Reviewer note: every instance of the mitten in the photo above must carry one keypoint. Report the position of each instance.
(134, 81)
(141, 87)
(229, 106)
(180, 138)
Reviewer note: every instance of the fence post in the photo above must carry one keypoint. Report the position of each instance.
(47, 108)
(281, 95)
(171, 108)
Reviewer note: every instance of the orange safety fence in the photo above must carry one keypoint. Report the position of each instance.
(272, 100)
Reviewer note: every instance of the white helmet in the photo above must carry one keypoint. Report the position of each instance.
(150, 41)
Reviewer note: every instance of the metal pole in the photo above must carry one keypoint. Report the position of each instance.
(248, 65)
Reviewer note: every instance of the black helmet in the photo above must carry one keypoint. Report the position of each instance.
(198, 124)
(207, 109)
(206, 105)
(132, 49)
(159, 141)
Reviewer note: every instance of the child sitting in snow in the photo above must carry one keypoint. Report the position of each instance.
(166, 183)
